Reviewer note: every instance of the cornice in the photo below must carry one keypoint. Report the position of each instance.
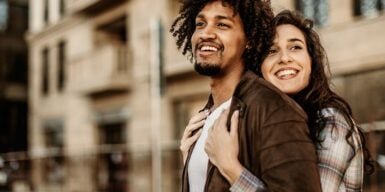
(54, 28)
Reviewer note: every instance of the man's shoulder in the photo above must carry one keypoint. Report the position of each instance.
(254, 86)
(258, 93)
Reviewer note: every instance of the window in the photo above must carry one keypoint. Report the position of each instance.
(61, 65)
(114, 163)
(16, 67)
(18, 14)
(45, 71)
(317, 10)
(54, 163)
(368, 7)
(61, 7)
(3, 15)
(113, 133)
(46, 12)
(382, 4)
(115, 32)
(54, 134)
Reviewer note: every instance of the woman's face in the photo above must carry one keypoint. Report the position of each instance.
(288, 64)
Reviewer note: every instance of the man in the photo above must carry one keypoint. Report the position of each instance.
(226, 39)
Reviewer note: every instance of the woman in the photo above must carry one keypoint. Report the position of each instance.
(295, 64)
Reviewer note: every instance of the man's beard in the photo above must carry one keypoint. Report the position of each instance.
(210, 70)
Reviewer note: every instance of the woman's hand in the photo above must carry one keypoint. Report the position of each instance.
(188, 138)
(222, 146)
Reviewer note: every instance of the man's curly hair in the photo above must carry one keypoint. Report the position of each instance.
(256, 16)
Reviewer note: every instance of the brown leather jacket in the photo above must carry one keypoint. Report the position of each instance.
(274, 142)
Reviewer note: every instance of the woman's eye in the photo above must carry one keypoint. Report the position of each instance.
(296, 47)
(272, 51)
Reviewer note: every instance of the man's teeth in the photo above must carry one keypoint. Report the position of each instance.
(286, 72)
(208, 48)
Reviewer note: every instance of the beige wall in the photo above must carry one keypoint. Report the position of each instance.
(340, 11)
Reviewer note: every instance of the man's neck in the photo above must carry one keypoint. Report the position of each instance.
(222, 88)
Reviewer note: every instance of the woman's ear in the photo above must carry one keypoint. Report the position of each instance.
(248, 46)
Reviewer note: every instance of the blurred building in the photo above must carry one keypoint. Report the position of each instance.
(98, 120)
(13, 93)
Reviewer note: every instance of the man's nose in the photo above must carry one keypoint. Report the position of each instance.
(208, 33)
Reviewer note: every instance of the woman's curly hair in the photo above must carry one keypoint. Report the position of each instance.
(256, 16)
(318, 95)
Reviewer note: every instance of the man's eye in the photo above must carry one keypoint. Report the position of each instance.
(199, 24)
(223, 25)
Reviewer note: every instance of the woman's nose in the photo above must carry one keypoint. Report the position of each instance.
(285, 57)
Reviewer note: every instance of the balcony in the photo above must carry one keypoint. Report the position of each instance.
(90, 6)
(103, 71)
(347, 45)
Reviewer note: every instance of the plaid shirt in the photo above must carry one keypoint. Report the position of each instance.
(340, 165)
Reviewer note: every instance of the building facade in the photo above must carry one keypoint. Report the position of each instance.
(98, 121)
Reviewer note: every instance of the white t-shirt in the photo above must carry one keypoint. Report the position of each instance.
(197, 167)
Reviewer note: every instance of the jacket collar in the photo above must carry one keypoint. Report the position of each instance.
(241, 88)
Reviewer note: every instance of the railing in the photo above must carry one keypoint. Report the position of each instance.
(75, 6)
(78, 5)
(103, 69)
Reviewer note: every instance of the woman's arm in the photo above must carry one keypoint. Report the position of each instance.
(247, 182)
(222, 149)
(191, 132)
(335, 153)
